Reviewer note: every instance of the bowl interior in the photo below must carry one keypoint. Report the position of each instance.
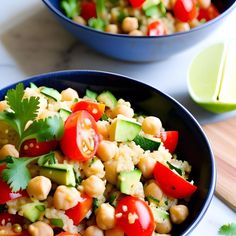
(193, 145)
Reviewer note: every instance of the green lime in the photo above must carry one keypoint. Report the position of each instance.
(212, 78)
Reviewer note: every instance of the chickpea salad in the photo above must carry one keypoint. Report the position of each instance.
(89, 165)
(140, 17)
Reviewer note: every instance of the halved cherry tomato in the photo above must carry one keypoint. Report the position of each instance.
(170, 140)
(78, 212)
(88, 10)
(172, 184)
(208, 14)
(94, 108)
(136, 3)
(67, 234)
(6, 192)
(156, 28)
(185, 10)
(134, 217)
(80, 139)
(32, 148)
(13, 219)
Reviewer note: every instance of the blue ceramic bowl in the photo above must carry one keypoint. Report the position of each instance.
(193, 145)
(140, 49)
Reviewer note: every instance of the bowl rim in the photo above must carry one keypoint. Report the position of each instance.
(176, 34)
(62, 73)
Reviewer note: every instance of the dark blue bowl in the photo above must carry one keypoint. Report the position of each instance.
(193, 145)
(140, 49)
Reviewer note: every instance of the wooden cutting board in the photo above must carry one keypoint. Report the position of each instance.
(222, 136)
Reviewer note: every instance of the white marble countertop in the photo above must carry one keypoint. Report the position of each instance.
(32, 42)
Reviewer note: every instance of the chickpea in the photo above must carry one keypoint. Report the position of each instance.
(164, 227)
(178, 213)
(129, 24)
(153, 190)
(105, 216)
(80, 20)
(69, 95)
(204, 3)
(182, 27)
(112, 28)
(39, 187)
(107, 150)
(194, 23)
(3, 105)
(93, 231)
(151, 125)
(103, 128)
(123, 110)
(146, 165)
(136, 33)
(40, 228)
(94, 167)
(8, 150)
(93, 186)
(114, 232)
(111, 171)
(65, 197)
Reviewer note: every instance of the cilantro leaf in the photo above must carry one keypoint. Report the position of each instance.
(44, 130)
(228, 229)
(71, 8)
(17, 175)
(23, 109)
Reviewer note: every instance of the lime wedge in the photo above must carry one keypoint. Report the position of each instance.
(212, 78)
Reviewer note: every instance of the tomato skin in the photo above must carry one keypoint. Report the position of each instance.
(94, 108)
(78, 212)
(143, 225)
(6, 192)
(156, 28)
(136, 3)
(88, 10)
(208, 14)
(80, 131)
(67, 234)
(35, 148)
(170, 140)
(185, 10)
(172, 184)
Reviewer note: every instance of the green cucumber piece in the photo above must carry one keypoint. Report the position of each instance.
(91, 94)
(108, 99)
(128, 180)
(59, 173)
(51, 93)
(147, 143)
(64, 113)
(33, 211)
(33, 86)
(124, 130)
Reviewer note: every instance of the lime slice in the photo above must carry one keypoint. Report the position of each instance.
(212, 78)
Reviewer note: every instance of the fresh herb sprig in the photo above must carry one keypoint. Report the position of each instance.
(16, 173)
(23, 111)
(228, 230)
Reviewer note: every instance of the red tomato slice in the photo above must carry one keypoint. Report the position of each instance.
(172, 184)
(88, 10)
(156, 28)
(32, 148)
(136, 3)
(78, 212)
(67, 234)
(80, 139)
(134, 217)
(6, 192)
(170, 140)
(185, 10)
(94, 108)
(208, 14)
(13, 219)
